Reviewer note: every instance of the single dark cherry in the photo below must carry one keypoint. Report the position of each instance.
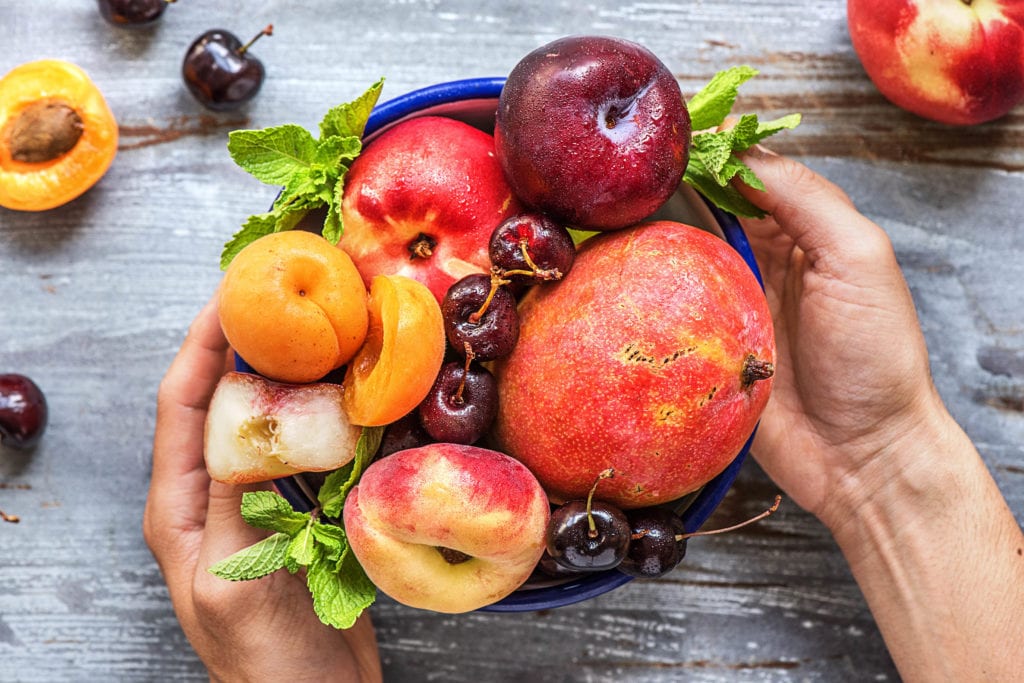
(588, 535)
(462, 404)
(23, 411)
(530, 247)
(653, 550)
(133, 13)
(658, 540)
(477, 310)
(405, 432)
(220, 71)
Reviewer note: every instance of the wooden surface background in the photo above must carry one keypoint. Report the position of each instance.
(95, 298)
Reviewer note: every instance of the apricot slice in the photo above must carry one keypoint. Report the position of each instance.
(402, 355)
(57, 135)
(293, 306)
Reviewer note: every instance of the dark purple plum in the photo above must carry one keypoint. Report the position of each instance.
(592, 130)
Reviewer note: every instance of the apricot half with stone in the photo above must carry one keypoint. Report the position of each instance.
(57, 135)
(293, 306)
(402, 355)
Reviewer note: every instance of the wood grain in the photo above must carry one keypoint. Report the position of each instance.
(97, 296)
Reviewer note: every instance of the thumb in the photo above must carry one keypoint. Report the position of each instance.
(816, 214)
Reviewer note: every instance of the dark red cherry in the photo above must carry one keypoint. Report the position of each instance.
(132, 13)
(23, 411)
(220, 71)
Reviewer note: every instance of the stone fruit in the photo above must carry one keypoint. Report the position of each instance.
(220, 72)
(953, 61)
(404, 348)
(422, 200)
(446, 527)
(461, 405)
(653, 357)
(23, 411)
(57, 135)
(293, 306)
(593, 130)
(257, 429)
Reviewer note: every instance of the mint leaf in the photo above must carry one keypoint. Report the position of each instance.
(713, 153)
(725, 197)
(339, 597)
(339, 482)
(335, 150)
(302, 550)
(256, 561)
(712, 104)
(273, 155)
(268, 510)
(350, 119)
(334, 543)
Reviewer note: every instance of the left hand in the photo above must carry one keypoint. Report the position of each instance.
(251, 630)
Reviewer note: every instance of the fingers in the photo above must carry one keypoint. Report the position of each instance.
(816, 214)
(176, 505)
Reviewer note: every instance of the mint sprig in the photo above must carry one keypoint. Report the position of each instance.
(713, 153)
(311, 171)
(339, 586)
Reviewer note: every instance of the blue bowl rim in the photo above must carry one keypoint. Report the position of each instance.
(707, 498)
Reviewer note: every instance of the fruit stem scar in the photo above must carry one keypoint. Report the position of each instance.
(755, 369)
(453, 556)
(422, 247)
(268, 30)
(712, 532)
(43, 131)
(591, 526)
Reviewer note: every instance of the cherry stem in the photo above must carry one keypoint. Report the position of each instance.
(497, 280)
(465, 371)
(605, 474)
(535, 270)
(13, 519)
(711, 532)
(267, 31)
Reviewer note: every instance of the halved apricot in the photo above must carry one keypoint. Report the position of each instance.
(57, 135)
(399, 361)
(293, 306)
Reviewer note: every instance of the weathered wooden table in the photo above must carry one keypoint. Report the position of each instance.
(96, 296)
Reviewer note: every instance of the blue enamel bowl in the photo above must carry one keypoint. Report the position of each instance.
(475, 101)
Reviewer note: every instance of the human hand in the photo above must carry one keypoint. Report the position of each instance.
(852, 379)
(252, 630)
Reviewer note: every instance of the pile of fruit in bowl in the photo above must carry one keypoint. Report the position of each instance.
(481, 355)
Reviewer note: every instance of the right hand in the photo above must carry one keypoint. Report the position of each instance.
(852, 378)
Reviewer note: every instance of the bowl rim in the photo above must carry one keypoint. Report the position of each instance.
(708, 497)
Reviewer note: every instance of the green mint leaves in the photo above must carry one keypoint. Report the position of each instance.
(713, 161)
(339, 586)
(310, 170)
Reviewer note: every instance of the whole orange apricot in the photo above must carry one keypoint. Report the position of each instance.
(404, 348)
(57, 135)
(293, 306)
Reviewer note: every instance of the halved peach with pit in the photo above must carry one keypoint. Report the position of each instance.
(397, 365)
(57, 135)
(293, 306)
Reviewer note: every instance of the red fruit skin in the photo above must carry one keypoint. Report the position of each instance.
(556, 147)
(634, 361)
(946, 60)
(430, 175)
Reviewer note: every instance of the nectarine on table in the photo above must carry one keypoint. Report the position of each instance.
(293, 306)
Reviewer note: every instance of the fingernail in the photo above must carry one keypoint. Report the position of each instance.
(760, 151)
